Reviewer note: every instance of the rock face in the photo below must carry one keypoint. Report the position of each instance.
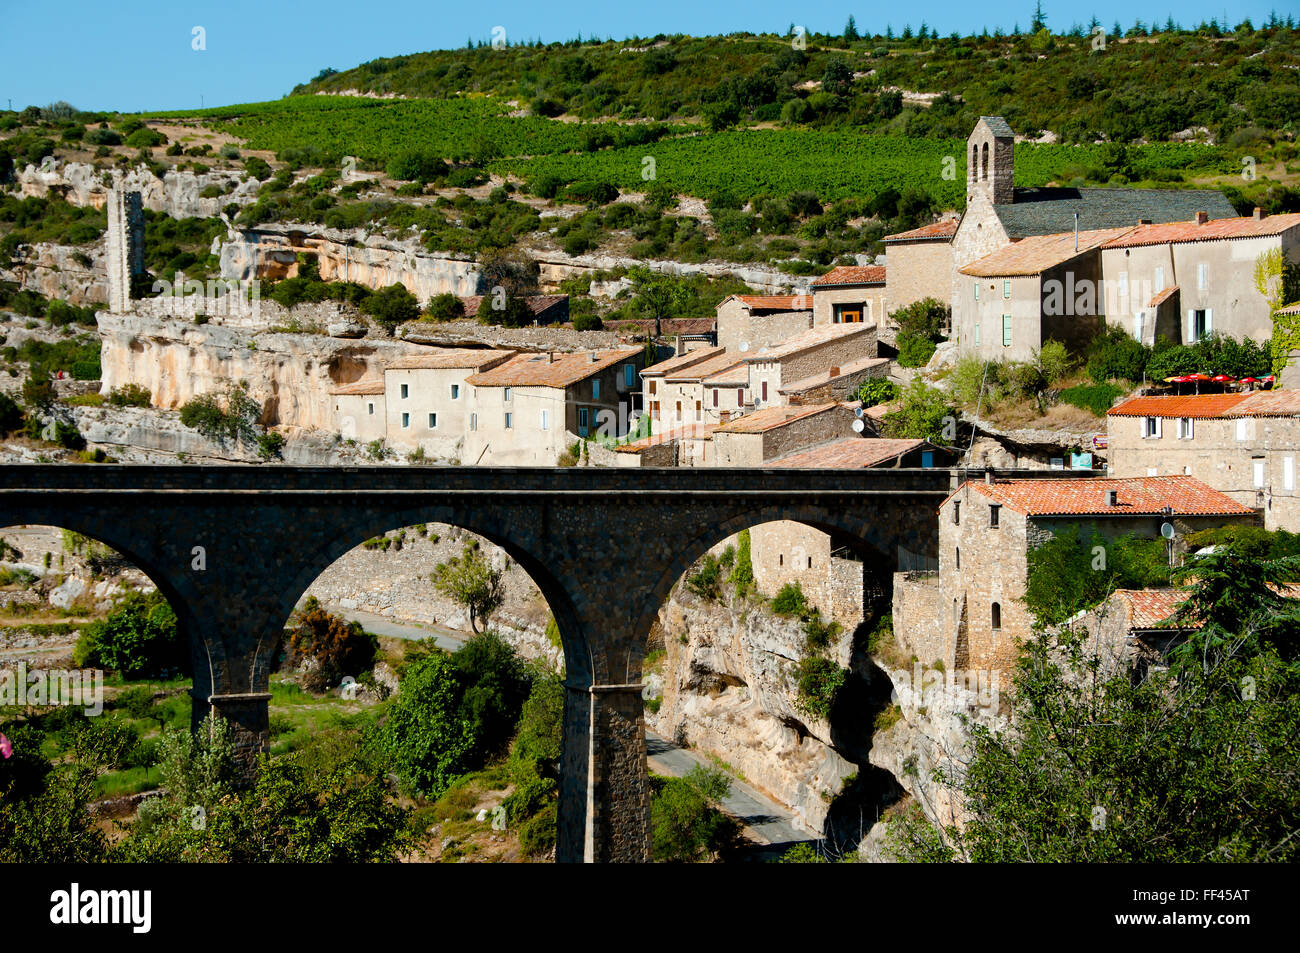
(729, 689)
(75, 273)
(290, 374)
(178, 194)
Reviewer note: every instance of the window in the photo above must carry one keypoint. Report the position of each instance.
(1152, 471)
(595, 390)
(956, 512)
(995, 513)
(473, 421)
(976, 286)
(455, 392)
(927, 458)
(1288, 473)
(995, 615)
(1158, 283)
(977, 332)
(583, 424)
(405, 392)
(765, 392)
(1139, 324)
(1202, 276)
(715, 397)
(406, 420)
(652, 385)
(847, 314)
(780, 559)
(370, 409)
(510, 421)
(958, 548)
(1185, 430)
(740, 397)
(1200, 324)
(1151, 427)
(546, 420)
(629, 374)
(433, 421)
(1006, 330)
(507, 395)
(1243, 428)
(1257, 465)
(699, 412)
(1123, 284)
(1006, 287)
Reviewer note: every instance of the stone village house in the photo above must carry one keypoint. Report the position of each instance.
(1243, 445)
(969, 614)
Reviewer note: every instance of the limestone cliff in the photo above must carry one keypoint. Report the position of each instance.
(178, 194)
(290, 374)
(75, 273)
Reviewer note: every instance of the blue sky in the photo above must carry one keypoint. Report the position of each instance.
(138, 54)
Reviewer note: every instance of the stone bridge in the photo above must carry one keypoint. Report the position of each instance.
(233, 548)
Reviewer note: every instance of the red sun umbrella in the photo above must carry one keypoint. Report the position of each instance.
(1223, 379)
(1199, 377)
(1249, 380)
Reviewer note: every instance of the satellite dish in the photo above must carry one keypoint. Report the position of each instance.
(1167, 530)
(857, 412)
(744, 346)
(859, 426)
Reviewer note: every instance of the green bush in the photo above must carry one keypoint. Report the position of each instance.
(924, 414)
(1070, 572)
(1097, 398)
(138, 639)
(444, 307)
(1116, 355)
(392, 306)
(587, 322)
(706, 579)
(818, 680)
(537, 835)
(876, 390)
(11, 415)
(130, 395)
(928, 318)
(914, 350)
(742, 573)
(685, 824)
(226, 416)
(591, 193)
(790, 601)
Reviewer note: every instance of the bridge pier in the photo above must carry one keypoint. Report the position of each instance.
(248, 714)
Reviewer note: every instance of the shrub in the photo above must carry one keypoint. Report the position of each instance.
(270, 445)
(704, 581)
(591, 193)
(537, 835)
(1054, 361)
(742, 573)
(928, 318)
(924, 414)
(444, 307)
(876, 390)
(472, 582)
(258, 168)
(535, 751)
(336, 646)
(587, 322)
(686, 826)
(130, 395)
(233, 421)
(1097, 398)
(1116, 355)
(790, 600)
(145, 138)
(818, 680)
(11, 415)
(1068, 572)
(138, 639)
(392, 306)
(913, 350)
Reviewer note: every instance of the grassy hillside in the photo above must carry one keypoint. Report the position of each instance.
(1138, 87)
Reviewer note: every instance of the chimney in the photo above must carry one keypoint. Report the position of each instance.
(594, 357)
(835, 371)
(1202, 218)
(550, 357)
(724, 416)
(1112, 497)
(988, 477)
(1259, 214)
(1144, 221)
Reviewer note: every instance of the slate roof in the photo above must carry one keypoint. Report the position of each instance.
(852, 275)
(1138, 496)
(938, 231)
(998, 126)
(1174, 233)
(535, 370)
(1037, 253)
(1043, 211)
(851, 453)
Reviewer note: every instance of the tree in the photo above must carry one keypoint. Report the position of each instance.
(38, 392)
(655, 295)
(850, 30)
(923, 415)
(227, 415)
(472, 582)
(686, 826)
(335, 646)
(137, 639)
(392, 306)
(444, 307)
(1039, 21)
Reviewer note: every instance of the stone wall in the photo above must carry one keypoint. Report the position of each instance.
(740, 331)
(916, 271)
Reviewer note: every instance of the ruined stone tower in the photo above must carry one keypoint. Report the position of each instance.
(990, 162)
(125, 246)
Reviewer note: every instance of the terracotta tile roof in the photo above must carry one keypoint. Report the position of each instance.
(941, 231)
(813, 337)
(682, 360)
(534, 370)
(845, 370)
(852, 275)
(449, 358)
(737, 376)
(360, 388)
(851, 453)
(1160, 297)
(761, 421)
(1215, 230)
(1289, 309)
(1188, 405)
(775, 302)
(1151, 608)
(1037, 253)
(696, 431)
(704, 369)
(1268, 403)
(1138, 496)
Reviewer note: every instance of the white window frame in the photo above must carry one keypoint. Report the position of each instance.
(473, 422)
(1258, 471)
(406, 391)
(455, 392)
(1158, 280)
(510, 421)
(1288, 473)
(508, 395)
(546, 420)
(1152, 428)
(433, 420)
(406, 420)
(1243, 428)
(1123, 284)
(1202, 276)
(1186, 428)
